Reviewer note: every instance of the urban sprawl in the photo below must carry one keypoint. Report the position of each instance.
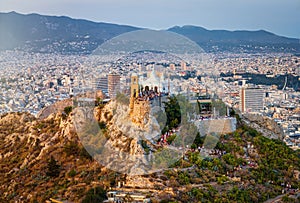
(30, 82)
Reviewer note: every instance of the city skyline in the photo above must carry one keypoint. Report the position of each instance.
(275, 16)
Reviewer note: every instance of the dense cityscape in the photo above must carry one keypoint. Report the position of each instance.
(30, 82)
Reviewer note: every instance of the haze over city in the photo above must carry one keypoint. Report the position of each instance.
(279, 17)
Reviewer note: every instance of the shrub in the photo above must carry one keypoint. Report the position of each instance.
(72, 173)
(97, 194)
(222, 179)
(184, 179)
(53, 168)
(84, 154)
(68, 109)
(71, 148)
(102, 125)
(171, 139)
(145, 146)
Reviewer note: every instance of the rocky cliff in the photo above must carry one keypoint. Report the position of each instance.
(265, 125)
(29, 146)
(26, 145)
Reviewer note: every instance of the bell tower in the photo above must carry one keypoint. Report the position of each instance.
(138, 109)
(134, 87)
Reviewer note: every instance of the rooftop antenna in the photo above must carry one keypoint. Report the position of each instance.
(169, 84)
(286, 78)
(214, 112)
(82, 80)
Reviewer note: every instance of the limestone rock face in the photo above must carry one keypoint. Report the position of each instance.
(139, 112)
(265, 125)
(55, 108)
(143, 182)
(34, 133)
(116, 141)
(26, 144)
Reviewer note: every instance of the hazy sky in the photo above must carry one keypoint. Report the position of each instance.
(279, 16)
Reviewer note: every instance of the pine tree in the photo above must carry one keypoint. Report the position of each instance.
(53, 168)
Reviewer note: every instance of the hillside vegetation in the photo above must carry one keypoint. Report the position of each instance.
(43, 159)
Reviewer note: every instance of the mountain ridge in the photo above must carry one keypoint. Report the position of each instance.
(62, 34)
(260, 31)
(238, 40)
(238, 30)
(39, 33)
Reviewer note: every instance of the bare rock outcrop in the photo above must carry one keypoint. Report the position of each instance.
(268, 127)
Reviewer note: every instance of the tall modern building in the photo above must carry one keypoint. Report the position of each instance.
(102, 84)
(251, 99)
(114, 85)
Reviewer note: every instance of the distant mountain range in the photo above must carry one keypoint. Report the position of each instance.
(39, 33)
(238, 41)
